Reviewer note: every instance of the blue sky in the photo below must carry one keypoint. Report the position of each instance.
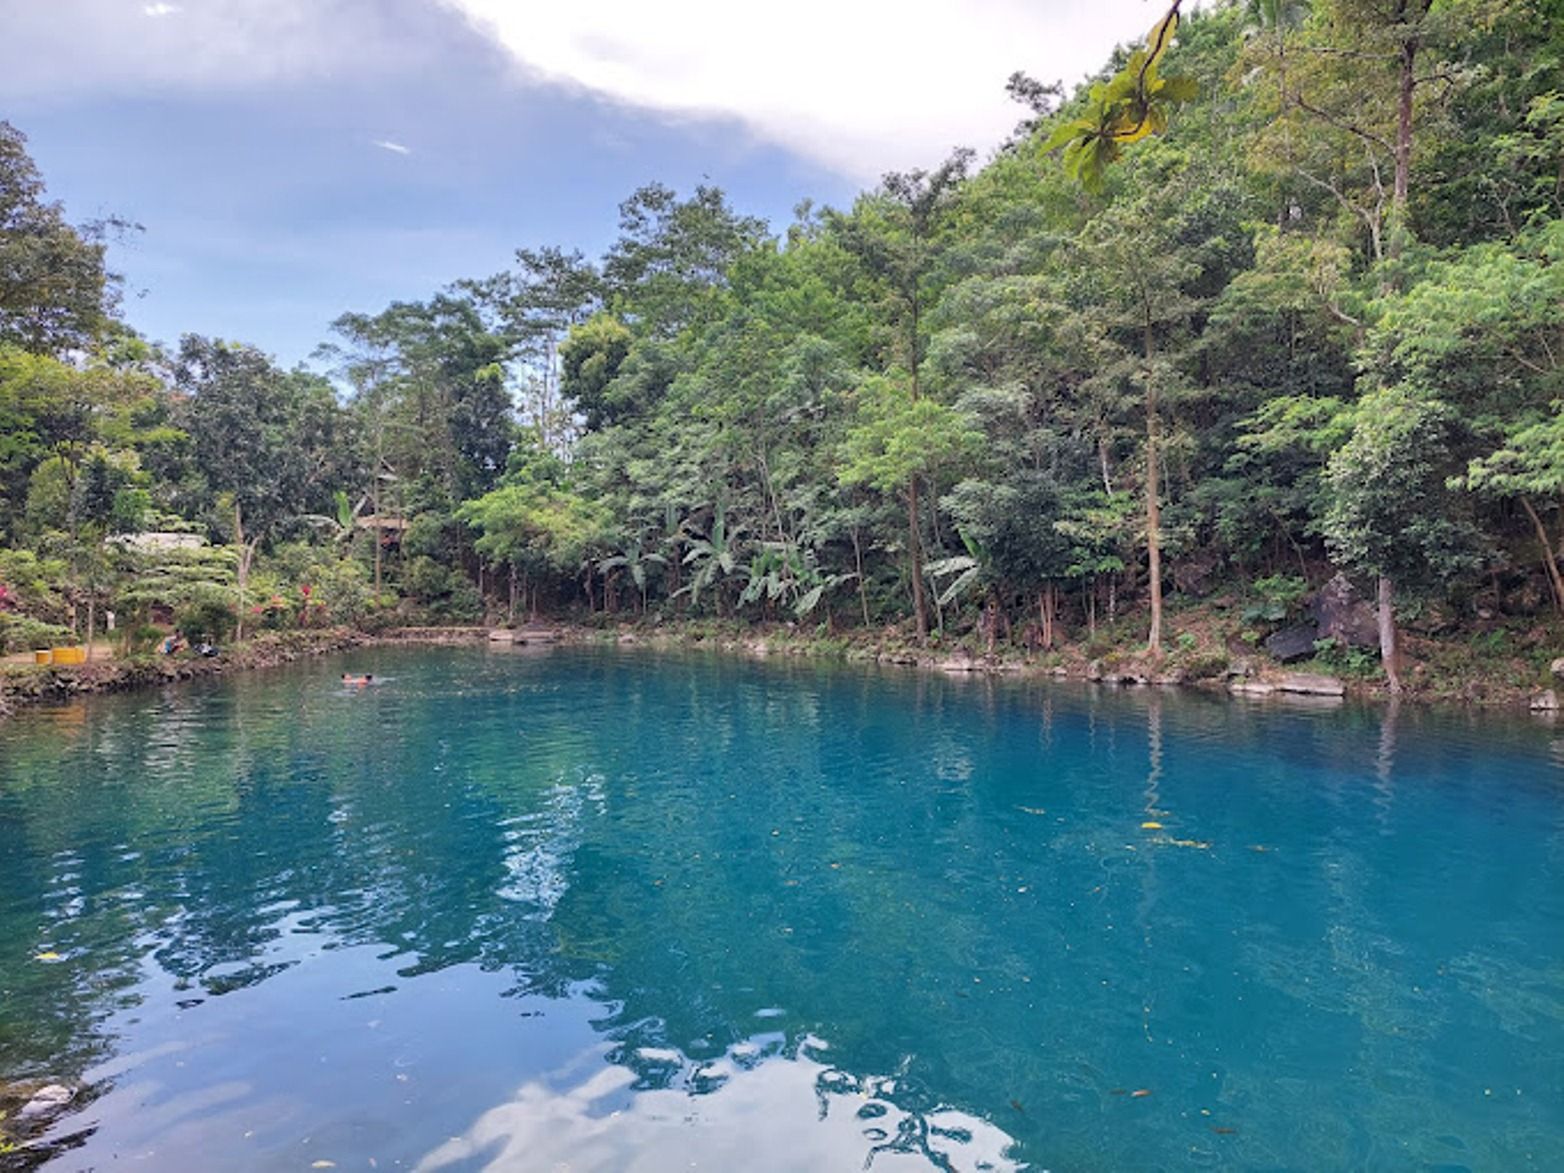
(293, 159)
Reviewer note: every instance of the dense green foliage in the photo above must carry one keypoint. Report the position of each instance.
(1280, 297)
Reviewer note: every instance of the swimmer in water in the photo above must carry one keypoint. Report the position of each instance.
(367, 678)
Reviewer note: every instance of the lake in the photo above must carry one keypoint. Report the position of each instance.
(624, 910)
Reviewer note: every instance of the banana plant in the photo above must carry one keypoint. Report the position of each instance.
(635, 560)
(714, 557)
(340, 524)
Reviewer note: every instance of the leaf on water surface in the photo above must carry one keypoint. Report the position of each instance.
(1140, 1093)
(1032, 810)
(1151, 825)
(48, 955)
(1197, 844)
(323, 1164)
(1224, 1131)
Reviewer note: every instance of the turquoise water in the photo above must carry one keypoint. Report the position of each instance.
(599, 910)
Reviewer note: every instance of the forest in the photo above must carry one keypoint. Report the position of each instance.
(1142, 388)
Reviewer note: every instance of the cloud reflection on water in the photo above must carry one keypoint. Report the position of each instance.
(796, 1111)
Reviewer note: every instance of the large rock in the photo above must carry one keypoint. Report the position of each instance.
(1311, 684)
(1557, 668)
(47, 1101)
(1546, 701)
(1342, 614)
(1293, 643)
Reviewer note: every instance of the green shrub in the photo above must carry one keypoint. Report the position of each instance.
(207, 620)
(140, 639)
(1337, 657)
(21, 633)
(426, 581)
(1205, 665)
(1279, 594)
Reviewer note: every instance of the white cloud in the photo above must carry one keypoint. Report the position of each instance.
(395, 148)
(862, 86)
(56, 50)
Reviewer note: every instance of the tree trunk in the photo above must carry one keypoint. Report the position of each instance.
(1047, 607)
(510, 614)
(243, 572)
(1408, 81)
(863, 589)
(1549, 562)
(1389, 649)
(380, 534)
(917, 561)
(92, 621)
(1153, 507)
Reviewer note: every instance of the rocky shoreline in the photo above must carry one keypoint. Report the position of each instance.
(24, 685)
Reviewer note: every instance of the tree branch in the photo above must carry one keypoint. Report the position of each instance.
(1367, 136)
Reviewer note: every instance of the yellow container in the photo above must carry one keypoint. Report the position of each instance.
(73, 655)
(43, 656)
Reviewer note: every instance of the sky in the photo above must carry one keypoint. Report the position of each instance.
(290, 160)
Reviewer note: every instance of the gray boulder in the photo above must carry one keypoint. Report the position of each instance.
(1342, 614)
(1293, 643)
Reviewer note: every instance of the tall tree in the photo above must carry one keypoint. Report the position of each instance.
(55, 294)
(271, 444)
(894, 234)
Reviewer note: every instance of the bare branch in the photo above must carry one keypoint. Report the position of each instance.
(1366, 136)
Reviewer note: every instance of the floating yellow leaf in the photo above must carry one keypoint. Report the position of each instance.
(323, 1165)
(1151, 826)
(48, 955)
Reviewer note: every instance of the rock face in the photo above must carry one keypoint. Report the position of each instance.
(1545, 702)
(1557, 668)
(1341, 614)
(1293, 643)
(1195, 572)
